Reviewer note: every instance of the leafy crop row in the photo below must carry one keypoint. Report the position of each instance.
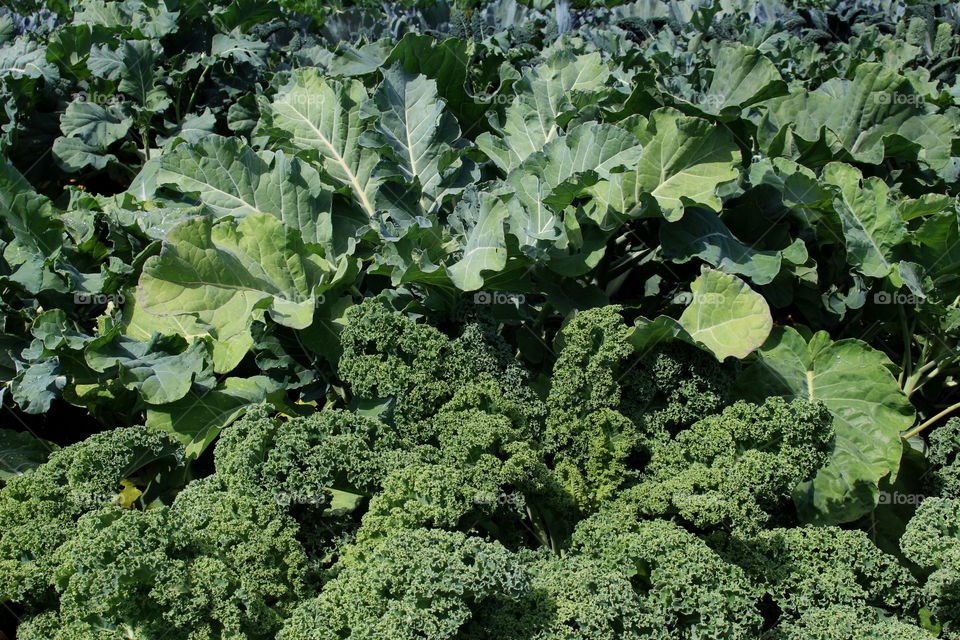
(497, 320)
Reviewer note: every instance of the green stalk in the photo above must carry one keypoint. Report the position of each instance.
(931, 421)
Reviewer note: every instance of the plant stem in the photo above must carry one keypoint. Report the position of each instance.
(196, 87)
(911, 384)
(932, 420)
(907, 342)
(145, 135)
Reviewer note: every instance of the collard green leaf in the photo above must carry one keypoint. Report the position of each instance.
(876, 109)
(74, 155)
(197, 419)
(21, 452)
(134, 64)
(314, 113)
(482, 217)
(194, 128)
(547, 180)
(236, 268)
(446, 61)
(94, 124)
(32, 220)
(871, 224)
(25, 58)
(38, 385)
(726, 315)
(743, 76)
(162, 369)
(418, 140)
(938, 251)
(701, 233)
(231, 179)
(870, 411)
(562, 83)
(229, 341)
(684, 159)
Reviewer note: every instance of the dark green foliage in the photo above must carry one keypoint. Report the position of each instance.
(840, 622)
(39, 510)
(301, 459)
(738, 468)
(213, 565)
(815, 567)
(433, 581)
(483, 320)
(415, 367)
(944, 475)
(675, 385)
(591, 440)
(932, 541)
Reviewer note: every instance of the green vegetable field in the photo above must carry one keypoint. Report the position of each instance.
(479, 320)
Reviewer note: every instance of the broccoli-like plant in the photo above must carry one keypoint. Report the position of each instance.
(944, 460)
(624, 579)
(736, 469)
(212, 566)
(932, 540)
(418, 585)
(388, 356)
(844, 622)
(817, 567)
(39, 510)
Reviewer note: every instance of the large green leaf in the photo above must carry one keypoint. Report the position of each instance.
(561, 84)
(547, 180)
(38, 384)
(134, 64)
(419, 142)
(231, 179)
(742, 77)
(726, 315)
(864, 116)
(447, 62)
(21, 452)
(235, 268)
(482, 217)
(938, 250)
(871, 224)
(96, 125)
(870, 411)
(315, 113)
(702, 234)
(229, 341)
(684, 159)
(162, 369)
(30, 217)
